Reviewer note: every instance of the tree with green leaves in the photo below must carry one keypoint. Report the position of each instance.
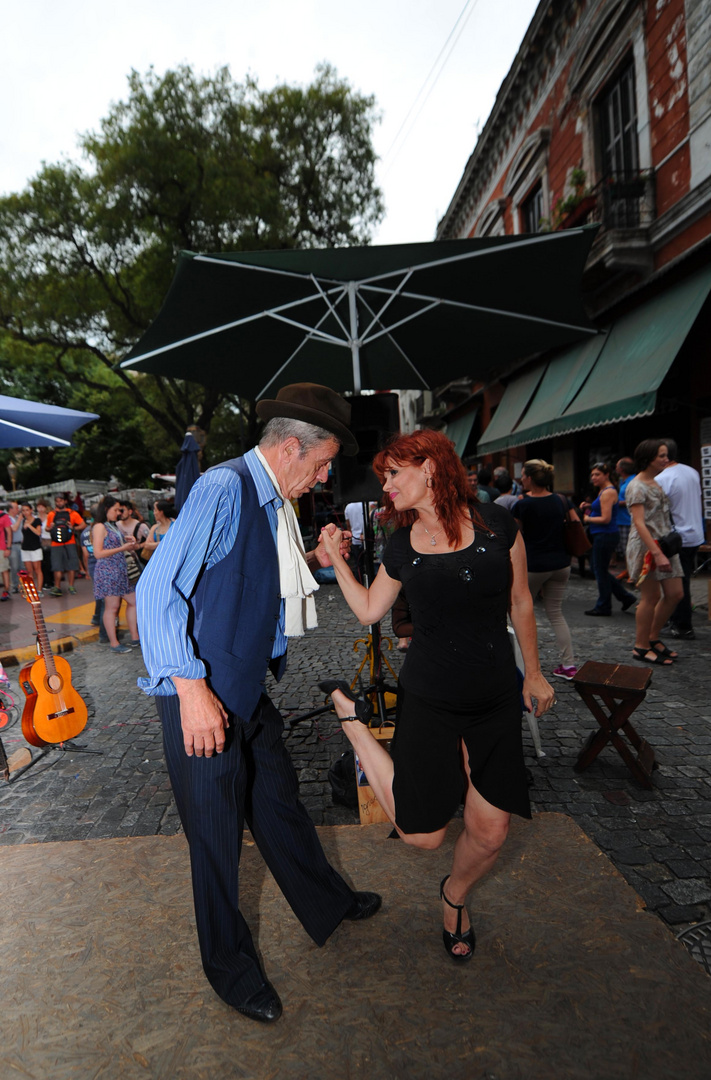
(87, 253)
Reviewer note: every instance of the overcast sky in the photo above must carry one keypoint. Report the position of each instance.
(64, 63)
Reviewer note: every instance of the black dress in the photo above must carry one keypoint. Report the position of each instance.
(458, 681)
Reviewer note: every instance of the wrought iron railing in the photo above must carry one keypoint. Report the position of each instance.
(626, 200)
(623, 200)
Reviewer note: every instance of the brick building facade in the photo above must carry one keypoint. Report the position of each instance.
(604, 118)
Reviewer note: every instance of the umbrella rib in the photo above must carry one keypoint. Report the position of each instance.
(300, 275)
(517, 243)
(393, 294)
(297, 350)
(432, 301)
(400, 349)
(327, 300)
(470, 255)
(311, 331)
(400, 322)
(274, 312)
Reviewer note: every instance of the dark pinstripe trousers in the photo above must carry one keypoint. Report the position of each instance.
(253, 780)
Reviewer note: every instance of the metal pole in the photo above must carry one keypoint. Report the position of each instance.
(355, 342)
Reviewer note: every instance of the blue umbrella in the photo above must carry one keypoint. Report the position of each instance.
(30, 423)
(187, 469)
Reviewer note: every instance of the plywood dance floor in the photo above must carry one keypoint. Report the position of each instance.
(100, 974)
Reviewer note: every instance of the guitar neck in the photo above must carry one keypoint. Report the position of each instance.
(43, 638)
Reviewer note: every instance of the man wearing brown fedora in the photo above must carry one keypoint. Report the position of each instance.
(217, 604)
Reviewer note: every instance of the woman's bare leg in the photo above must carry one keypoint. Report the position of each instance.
(111, 606)
(649, 596)
(378, 767)
(131, 618)
(672, 592)
(475, 852)
(34, 570)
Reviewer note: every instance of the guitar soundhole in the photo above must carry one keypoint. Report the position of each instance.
(54, 683)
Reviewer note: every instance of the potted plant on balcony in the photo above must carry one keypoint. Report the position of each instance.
(575, 207)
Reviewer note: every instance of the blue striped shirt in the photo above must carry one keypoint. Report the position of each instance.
(204, 533)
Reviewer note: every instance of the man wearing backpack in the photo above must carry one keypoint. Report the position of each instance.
(61, 525)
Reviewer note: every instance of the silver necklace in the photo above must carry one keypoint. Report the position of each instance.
(433, 536)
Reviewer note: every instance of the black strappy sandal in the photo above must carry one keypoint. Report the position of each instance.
(664, 651)
(660, 660)
(467, 938)
(363, 708)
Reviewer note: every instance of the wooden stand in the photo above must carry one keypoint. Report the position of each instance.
(621, 689)
(370, 810)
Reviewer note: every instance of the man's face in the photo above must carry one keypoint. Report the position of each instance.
(302, 473)
(60, 503)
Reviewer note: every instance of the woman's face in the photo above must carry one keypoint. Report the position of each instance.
(661, 460)
(406, 485)
(27, 513)
(598, 478)
(525, 481)
(113, 512)
(158, 514)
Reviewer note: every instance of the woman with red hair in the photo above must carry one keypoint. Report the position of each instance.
(462, 566)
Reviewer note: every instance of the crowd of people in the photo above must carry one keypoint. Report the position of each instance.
(110, 543)
(632, 505)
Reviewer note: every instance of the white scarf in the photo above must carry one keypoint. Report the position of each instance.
(296, 582)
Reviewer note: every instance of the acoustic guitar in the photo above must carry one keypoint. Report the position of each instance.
(54, 712)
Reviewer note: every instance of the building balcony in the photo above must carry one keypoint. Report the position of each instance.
(623, 204)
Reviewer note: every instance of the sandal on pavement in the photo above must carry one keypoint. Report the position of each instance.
(363, 708)
(641, 655)
(457, 938)
(664, 651)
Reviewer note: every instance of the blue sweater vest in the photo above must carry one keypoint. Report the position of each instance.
(236, 608)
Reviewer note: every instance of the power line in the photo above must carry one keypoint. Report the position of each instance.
(463, 18)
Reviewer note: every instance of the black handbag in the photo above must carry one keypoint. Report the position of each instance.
(670, 543)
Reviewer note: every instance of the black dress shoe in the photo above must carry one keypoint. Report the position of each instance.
(596, 611)
(364, 905)
(264, 1005)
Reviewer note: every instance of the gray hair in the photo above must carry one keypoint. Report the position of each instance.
(281, 428)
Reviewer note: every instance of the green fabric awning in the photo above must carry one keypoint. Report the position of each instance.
(606, 379)
(510, 411)
(460, 429)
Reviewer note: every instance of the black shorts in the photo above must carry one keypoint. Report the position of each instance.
(429, 780)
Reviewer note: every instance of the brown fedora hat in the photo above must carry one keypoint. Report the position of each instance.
(314, 404)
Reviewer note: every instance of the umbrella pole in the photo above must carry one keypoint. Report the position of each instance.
(355, 341)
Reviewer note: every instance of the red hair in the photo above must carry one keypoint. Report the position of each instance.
(450, 489)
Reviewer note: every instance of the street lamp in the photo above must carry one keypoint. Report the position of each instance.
(12, 473)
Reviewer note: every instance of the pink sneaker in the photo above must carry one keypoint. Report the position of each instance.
(563, 672)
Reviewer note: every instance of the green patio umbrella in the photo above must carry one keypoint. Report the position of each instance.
(406, 316)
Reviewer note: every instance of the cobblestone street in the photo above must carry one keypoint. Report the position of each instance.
(659, 840)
